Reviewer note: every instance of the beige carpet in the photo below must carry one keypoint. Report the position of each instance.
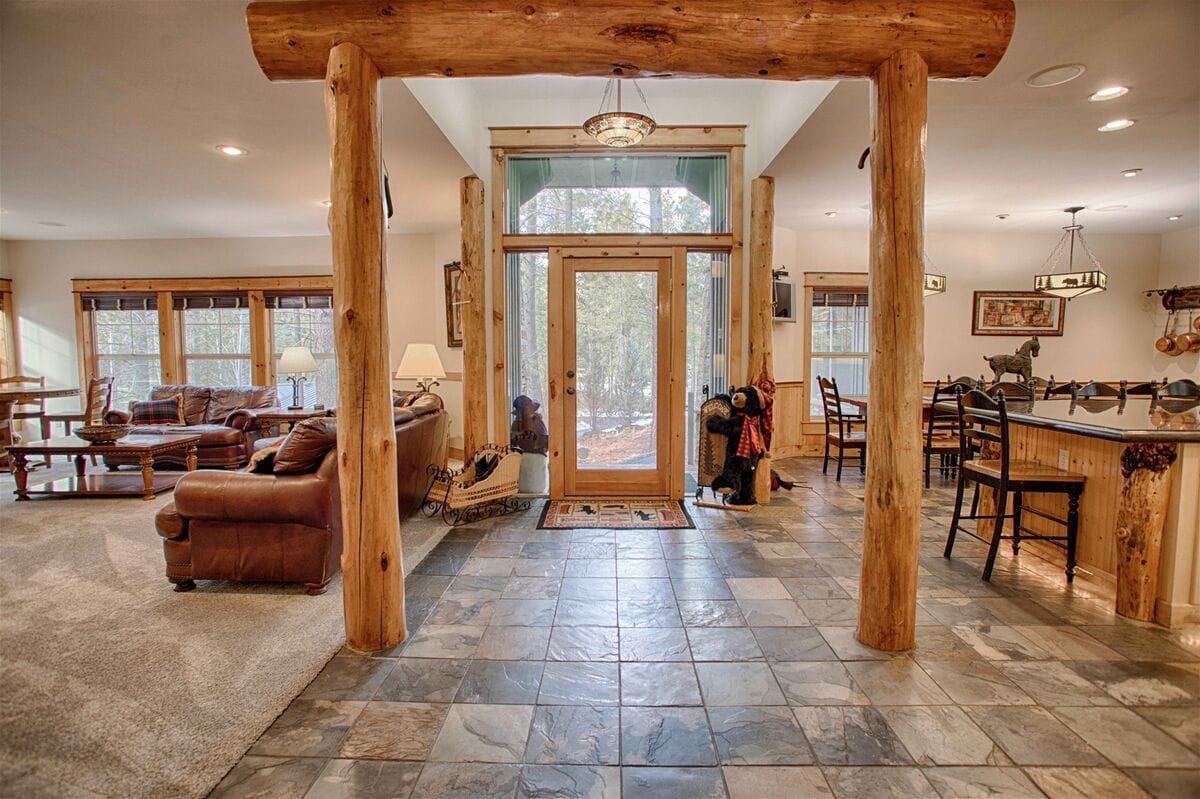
(113, 685)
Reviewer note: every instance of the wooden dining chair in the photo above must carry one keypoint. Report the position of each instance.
(941, 430)
(1182, 389)
(988, 436)
(1022, 392)
(33, 409)
(1096, 390)
(1065, 391)
(839, 429)
(1148, 389)
(98, 402)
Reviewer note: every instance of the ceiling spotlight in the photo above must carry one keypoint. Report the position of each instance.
(1002, 216)
(1131, 173)
(1109, 93)
(1174, 218)
(1116, 124)
(232, 150)
(831, 214)
(1055, 76)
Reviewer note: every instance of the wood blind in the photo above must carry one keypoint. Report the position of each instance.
(298, 298)
(119, 301)
(207, 300)
(839, 298)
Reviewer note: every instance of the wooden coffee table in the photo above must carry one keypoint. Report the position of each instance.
(110, 484)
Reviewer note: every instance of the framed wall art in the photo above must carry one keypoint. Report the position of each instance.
(454, 304)
(1017, 313)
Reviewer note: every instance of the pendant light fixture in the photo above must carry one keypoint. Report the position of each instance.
(619, 128)
(1071, 283)
(934, 283)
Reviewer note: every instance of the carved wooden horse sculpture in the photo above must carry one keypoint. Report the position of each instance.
(1020, 364)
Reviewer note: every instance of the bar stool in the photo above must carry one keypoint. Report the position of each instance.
(988, 434)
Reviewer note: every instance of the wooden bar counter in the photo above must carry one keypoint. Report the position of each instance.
(1139, 516)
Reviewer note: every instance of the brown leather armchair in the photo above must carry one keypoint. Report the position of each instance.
(285, 527)
(223, 416)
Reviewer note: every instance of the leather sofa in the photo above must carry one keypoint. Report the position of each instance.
(223, 416)
(285, 528)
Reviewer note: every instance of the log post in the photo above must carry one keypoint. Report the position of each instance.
(892, 526)
(760, 306)
(475, 418)
(1140, 519)
(372, 569)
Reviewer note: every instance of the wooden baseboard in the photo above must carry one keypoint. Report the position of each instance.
(1175, 615)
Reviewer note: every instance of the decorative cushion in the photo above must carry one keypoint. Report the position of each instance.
(159, 411)
(403, 399)
(305, 446)
(195, 400)
(263, 459)
(226, 400)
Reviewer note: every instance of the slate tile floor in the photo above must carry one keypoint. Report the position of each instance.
(721, 662)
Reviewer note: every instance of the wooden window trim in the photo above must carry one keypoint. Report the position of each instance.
(506, 141)
(9, 360)
(170, 326)
(850, 281)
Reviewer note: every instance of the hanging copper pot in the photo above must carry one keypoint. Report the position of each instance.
(1166, 343)
(1189, 340)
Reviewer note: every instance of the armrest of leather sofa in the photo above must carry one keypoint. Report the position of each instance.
(245, 497)
(117, 417)
(243, 419)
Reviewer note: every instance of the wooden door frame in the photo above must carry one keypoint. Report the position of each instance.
(671, 266)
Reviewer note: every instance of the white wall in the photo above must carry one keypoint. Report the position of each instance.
(1179, 265)
(1105, 336)
(42, 271)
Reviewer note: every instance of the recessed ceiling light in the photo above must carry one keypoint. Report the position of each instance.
(327, 203)
(1107, 208)
(1116, 124)
(831, 214)
(1131, 173)
(232, 150)
(1055, 76)
(53, 224)
(1002, 216)
(1109, 93)
(1174, 218)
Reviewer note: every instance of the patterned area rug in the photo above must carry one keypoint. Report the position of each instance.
(615, 514)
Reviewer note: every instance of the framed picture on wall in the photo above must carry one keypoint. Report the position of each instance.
(1017, 313)
(454, 304)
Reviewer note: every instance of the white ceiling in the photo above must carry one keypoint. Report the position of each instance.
(997, 146)
(110, 113)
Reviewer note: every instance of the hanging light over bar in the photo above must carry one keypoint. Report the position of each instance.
(934, 283)
(1071, 283)
(619, 128)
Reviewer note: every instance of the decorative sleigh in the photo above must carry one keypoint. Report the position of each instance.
(710, 460)
(466, 495)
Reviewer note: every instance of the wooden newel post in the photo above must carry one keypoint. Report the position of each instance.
(372, 569)
(475, 415)
(892, 528)
(1140, 519)
(761, 308)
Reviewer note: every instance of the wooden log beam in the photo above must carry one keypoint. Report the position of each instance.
(372, 569)
(475, 411)
(1146, 469)
(769, 39)
(761, 306)
(892, 525)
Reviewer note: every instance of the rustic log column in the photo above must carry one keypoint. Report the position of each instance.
(887, 610)
(1140, 519)
(475, 417)
(372, 570)
(760, 309)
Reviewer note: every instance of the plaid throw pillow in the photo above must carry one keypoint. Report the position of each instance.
(163, 411)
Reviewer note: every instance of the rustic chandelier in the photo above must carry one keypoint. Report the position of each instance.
(1070, 284)
(619, 128)
(933, 283)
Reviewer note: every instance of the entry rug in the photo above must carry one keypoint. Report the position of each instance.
(616, 514)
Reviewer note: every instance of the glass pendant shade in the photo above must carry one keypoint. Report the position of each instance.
(934, 284)
(1071, 283)
(619, 128)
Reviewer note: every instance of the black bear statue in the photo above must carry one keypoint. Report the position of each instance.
(743, 447)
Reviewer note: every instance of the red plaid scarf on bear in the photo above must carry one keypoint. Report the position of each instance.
(756, 430)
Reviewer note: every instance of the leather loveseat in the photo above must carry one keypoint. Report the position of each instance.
(223, 416)
(285, 527)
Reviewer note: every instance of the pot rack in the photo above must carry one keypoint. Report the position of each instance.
(1178, 298)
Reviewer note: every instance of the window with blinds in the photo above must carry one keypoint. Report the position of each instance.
(126, 340)
(839, 342)
(216, 337)
(305, 319)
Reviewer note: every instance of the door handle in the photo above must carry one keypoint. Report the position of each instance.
(570, 389)
(570, 373)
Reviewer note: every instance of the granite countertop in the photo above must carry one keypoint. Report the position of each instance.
(1137, 420)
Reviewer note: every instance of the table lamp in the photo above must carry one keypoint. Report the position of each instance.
(295, 362)
(422, 364)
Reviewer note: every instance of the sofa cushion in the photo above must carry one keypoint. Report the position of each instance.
(211, 435)
(168, 410)
(195, 400)
(225, 400)
(305, 446)
(425, 404)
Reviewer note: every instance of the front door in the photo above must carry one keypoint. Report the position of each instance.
(614, 376)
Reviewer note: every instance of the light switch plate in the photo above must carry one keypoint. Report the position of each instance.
(1064, 459)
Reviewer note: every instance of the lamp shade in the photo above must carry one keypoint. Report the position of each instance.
(420, 361)
(297, 360)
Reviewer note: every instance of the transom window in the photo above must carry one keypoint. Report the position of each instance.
(652, 193)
